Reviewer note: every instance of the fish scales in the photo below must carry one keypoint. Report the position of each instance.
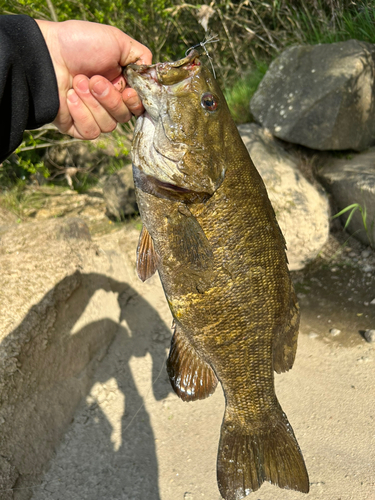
(210, 231)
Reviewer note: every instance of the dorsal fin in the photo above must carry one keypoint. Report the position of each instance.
(147, 258)
(191, 377)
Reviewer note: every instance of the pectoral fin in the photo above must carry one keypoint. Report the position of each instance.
(191, 377)
(147, 258)
(188, 241)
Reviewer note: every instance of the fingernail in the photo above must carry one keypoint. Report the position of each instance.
(100, 88)
(83, 85)
(119, 83)
(72, 96)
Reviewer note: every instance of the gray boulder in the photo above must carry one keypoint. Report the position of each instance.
(301, 210)
(320, 96)
(352, 180)
(119, 194)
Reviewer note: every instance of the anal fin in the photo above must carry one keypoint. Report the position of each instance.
(147, 258)
(190, 376)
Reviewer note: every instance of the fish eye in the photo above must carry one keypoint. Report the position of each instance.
(209, 101)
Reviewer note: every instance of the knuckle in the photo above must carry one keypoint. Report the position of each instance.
(95, 105)
(137, 109)
(125, 117)
(110, 127)
(90, 133)
(87, 127)
(115, 103)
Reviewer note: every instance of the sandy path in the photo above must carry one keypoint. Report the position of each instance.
(133, 439)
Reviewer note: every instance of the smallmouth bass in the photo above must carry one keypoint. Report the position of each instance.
(211, 233)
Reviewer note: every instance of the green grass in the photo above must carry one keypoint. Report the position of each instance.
(360, 26)
(249, 34)
(21, 201)
(239, 95)
(357, 22)
(363, 211)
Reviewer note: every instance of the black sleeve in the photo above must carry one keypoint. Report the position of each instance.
(28, 87)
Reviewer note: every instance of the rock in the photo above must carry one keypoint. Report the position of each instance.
(74, 228)
(352, 180)
(370, 335)
(301, 210)
(8, 478)
(334, 332)
(46, 202)
(313, 335)
(320, 96)
(119, 194)
(59, 311)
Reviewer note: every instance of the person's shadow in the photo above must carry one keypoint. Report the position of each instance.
(108, 452)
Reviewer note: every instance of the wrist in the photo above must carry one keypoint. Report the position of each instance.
(50, 30)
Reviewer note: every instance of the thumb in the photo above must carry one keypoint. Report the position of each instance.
(133, 51)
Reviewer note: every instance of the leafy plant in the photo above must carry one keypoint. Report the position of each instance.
(363, 211)
(248, 32)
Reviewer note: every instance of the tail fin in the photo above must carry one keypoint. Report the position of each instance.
(248, 458)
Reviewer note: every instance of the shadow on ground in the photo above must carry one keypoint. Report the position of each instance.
(58, 365)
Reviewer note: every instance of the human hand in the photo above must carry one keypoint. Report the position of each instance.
(88, 60)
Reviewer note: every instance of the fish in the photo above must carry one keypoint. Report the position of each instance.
(211, 233)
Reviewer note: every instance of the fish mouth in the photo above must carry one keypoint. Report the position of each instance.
(169, 73)
(160, 158)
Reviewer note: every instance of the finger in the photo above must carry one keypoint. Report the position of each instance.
(141, 55)
(85, 126)
(119, 83)
(104, 120)
(133, 51)
(111, 100)
(132, 101)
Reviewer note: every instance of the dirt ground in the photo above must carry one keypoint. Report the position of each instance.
(133, 439)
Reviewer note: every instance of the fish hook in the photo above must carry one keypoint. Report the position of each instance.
(211, 39)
